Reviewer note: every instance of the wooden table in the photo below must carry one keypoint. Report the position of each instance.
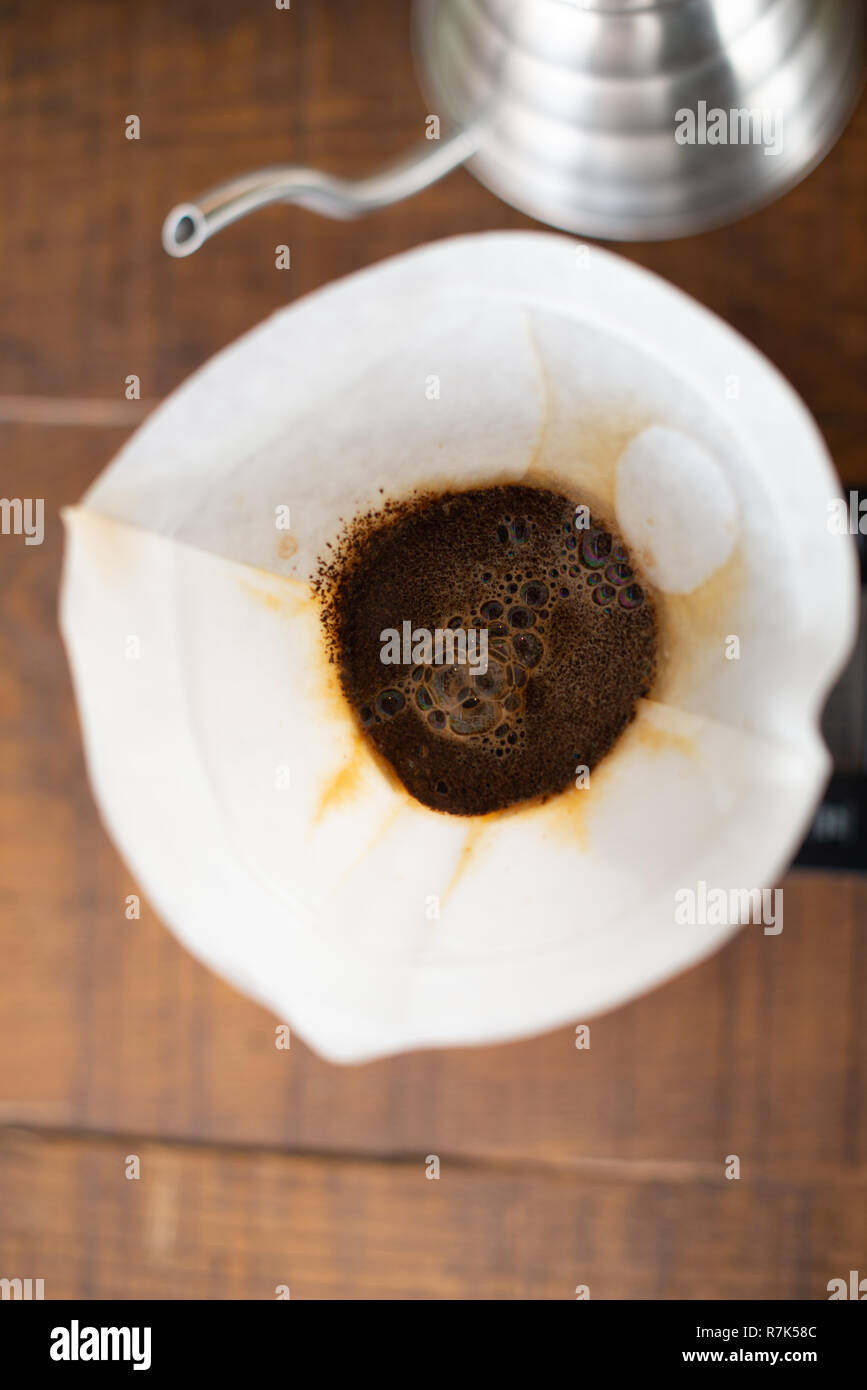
(262, 1167)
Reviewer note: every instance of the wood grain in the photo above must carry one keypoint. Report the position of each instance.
(205, 1223)
(260, 1167)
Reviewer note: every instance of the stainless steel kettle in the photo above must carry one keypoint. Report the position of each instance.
(621, 119)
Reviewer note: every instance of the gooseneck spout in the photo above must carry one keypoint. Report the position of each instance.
(189, 225)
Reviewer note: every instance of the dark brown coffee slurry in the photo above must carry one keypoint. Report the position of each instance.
(571, 636)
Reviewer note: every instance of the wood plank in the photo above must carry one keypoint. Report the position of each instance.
(214, 1223)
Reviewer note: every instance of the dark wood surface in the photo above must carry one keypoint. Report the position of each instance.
(261, 1167)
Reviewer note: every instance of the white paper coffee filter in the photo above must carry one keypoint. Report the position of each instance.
(232, 773)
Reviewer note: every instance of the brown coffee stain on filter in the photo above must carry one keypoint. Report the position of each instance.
(578, 446)
(575, 455)
(381, 830)
(693, 628)
(581, 456)
(273, 602)
(655, 738)
(345, 782)
(297, 598)
(480, 826)
(472, 838)
(566, 815)
(280, 593)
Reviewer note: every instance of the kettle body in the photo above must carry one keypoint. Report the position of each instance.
(642, 119)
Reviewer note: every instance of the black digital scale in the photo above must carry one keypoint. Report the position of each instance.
(838, 836)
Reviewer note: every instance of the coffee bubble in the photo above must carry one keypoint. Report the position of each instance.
(389, 703)
(618, 574)
(595, 548)
(604, 594)
(521, 617)
(474, 717)
(535, 594)
(528, 648)
(632, 597)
